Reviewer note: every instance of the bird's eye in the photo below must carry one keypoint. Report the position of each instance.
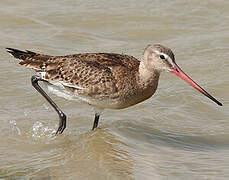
(162, 56)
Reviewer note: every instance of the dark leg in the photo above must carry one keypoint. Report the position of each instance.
(96, 121)
(62, 116)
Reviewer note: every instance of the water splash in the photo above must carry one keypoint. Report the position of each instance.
(39, 130)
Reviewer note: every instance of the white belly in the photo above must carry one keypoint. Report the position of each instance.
(59, 90)
(101, 103)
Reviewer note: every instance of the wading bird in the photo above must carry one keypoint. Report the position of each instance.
(102, 80)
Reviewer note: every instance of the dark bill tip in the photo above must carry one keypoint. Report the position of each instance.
(177, 71)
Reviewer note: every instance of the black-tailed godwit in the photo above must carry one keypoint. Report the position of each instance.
(102, 80)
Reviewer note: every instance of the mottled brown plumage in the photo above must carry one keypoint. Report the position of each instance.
(95, 75)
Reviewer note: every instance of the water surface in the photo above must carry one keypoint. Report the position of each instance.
(176, 134)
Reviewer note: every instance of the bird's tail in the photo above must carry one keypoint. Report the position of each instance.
(29, 59)
(22, 55)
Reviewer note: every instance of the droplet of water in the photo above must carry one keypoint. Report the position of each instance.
(12, 122)
(27, 112)
(13, 127)
(45, 106)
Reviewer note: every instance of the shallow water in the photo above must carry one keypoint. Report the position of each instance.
(176, 134)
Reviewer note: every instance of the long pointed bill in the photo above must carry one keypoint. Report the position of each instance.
(177, 70)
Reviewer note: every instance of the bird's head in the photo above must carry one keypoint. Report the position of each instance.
(160, 58)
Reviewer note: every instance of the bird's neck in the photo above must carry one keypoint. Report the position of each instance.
(148, 79)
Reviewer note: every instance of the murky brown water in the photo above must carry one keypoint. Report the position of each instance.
(177, 134)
